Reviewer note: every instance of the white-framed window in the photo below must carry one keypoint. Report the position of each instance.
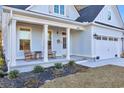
(24, 36)
(104, 37)
(115, 39)
(56, 9)
(98, 37)
(109, 15)
(59, 9)
(62, 9)
(110, 38)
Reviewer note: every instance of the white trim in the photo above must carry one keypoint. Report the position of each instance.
(95, 24)
(29, 7)
(18, 40)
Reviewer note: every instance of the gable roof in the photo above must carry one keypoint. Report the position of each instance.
(23, 7)
(89, 13)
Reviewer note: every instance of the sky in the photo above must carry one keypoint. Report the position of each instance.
(121, 9)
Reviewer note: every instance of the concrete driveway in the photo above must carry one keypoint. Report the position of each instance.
(112, 61)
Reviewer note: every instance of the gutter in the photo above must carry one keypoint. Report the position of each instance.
(96, 24)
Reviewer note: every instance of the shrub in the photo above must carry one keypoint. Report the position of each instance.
(13, 74)
(1, 74)
(1, 62)
(58, 65)
(38, 69)
(71, 63)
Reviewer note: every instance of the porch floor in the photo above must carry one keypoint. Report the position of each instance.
(22, 62)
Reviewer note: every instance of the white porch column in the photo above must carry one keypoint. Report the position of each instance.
(68, 43)
(13, 43)
(45, 43)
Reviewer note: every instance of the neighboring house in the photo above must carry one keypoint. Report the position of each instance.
(89, 31)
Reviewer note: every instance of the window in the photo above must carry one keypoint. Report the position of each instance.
(104, 38)
(62, 9)
(110, 39)
(59, 9)
(98, 37)
(56, 9)
(24, 44)
(24, 38)
(115, 39)
(64, 42)
(109, 15)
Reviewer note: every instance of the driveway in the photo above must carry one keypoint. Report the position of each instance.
(112, 61)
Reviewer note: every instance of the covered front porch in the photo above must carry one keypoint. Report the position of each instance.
(37, 34)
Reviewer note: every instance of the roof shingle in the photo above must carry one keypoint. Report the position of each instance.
(23, 7)
(88, 14)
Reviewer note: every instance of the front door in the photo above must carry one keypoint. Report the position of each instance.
(49, 40)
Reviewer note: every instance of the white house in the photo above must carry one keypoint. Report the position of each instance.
(72, 32)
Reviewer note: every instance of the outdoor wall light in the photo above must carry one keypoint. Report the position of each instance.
(57, 32)
(122, 38)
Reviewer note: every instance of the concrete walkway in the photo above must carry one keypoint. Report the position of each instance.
(113, 61)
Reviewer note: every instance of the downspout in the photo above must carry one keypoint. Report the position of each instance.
(122, 43)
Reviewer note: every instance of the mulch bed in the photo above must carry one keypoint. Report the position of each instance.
(35, 80)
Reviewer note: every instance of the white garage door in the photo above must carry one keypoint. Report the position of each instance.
(106, 47)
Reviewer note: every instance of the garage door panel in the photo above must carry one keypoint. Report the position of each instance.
(106, 49)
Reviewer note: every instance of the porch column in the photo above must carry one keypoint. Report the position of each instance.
(45, 43)
(68, 43)
(13, 43)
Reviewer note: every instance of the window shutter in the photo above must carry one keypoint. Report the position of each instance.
(67, 11)
(50, 9)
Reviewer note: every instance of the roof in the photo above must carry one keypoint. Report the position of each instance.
(89, 13)
(23, 7)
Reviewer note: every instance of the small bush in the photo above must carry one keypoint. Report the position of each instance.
(58, 65)
(13, 74)
(71, 63)
(1, 62)
(1, 74)
(38, 69)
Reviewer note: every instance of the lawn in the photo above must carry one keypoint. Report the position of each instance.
(106, 76)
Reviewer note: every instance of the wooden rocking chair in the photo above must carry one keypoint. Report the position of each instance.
(28, 55)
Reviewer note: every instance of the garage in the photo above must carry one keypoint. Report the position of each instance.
(107, 47)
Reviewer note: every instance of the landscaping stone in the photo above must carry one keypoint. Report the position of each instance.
(34, 80)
